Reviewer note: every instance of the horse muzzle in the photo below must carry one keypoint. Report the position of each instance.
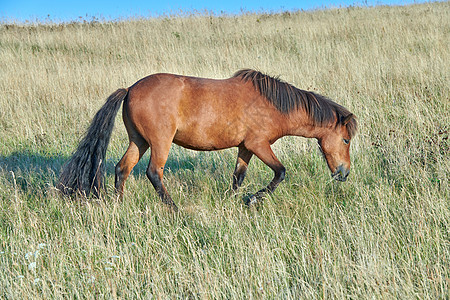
(341, 173)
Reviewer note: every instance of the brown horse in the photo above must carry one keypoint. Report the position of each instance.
(250, 111)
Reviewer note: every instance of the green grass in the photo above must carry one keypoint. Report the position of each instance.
(382, 234)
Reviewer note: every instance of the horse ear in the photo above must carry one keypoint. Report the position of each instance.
(345, 120)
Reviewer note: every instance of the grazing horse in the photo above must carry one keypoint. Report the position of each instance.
(250, 111)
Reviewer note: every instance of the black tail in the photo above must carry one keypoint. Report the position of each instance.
(84, 172)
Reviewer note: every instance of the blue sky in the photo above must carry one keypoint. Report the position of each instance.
(64, 11)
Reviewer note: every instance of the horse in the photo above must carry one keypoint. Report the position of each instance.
(250, 111)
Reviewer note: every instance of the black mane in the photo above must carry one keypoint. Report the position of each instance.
(286, 98)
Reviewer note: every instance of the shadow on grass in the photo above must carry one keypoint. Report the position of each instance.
(34, 171)
(31, 171)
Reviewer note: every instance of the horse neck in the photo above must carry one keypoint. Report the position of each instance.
(301, 124)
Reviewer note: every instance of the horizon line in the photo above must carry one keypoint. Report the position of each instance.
(180, 13)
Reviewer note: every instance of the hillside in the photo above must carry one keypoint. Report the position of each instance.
(384, 233)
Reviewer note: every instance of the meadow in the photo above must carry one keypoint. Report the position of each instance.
(383, 234)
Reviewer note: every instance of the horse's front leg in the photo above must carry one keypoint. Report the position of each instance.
(243, 159)
(265, 153)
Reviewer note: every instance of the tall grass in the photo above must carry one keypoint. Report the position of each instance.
(383, 234)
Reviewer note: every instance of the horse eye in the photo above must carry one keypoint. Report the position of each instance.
(346, 141)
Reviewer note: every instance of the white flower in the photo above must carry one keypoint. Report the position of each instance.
(28, 255)
(36, 280)
(20, 276)
(42, 245)
(32, 266)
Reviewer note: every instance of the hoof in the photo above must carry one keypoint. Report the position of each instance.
(173, 207)
(252, 200)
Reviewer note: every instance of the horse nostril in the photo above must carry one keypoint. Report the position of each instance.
(341, 173)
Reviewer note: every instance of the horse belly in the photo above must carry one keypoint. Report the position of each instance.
(210, 136)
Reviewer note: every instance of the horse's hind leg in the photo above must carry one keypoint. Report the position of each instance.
(155, 170)
(243, 159)
(131, 157)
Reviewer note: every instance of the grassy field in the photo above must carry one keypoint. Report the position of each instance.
(383, 234)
